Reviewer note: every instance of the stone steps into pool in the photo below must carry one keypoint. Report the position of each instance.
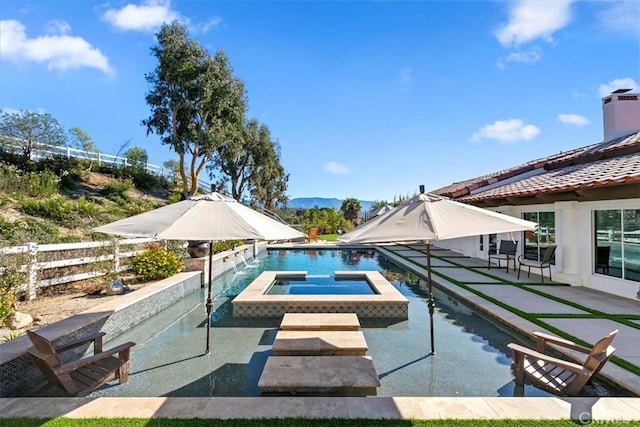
(320, 322)
(320, 354)
(319, 343)
(319, 375)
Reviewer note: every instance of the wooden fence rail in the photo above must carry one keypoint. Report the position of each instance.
(49, 265)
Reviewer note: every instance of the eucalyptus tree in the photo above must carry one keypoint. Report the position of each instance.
(269, 186)
(268, 183)
(81, 140)
(251, 163)
(197, 105)
(137, 158)
(30, 131)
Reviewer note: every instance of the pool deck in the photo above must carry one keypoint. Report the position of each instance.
(483, 288)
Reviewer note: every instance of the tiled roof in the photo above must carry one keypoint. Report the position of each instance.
(465, 187)
(601, 173)
(602, 164)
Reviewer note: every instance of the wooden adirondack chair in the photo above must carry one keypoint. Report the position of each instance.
(313, 235)
(81, 377)
(555, 375)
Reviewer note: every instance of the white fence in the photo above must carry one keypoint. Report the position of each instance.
(47, 265)
(47, 151)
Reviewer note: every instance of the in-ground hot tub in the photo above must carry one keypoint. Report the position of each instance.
(384, 301)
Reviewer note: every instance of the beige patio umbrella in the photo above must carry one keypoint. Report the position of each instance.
(383, 210)
(428, 217)
(211, 217)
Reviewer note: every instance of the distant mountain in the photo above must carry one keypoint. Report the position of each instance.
(320, 202)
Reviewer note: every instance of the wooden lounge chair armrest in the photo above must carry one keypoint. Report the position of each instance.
(71, 366)
(542, 339)
(81, 341)
(573, 367)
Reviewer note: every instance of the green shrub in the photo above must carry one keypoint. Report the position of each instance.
(156, 263)
(225, 245)
(175, 197)
(41, 184)
(10, 281)
(34, 184)
(7, 229)
(139, 206)
(28, 229)
(37, 230)
(116, 191)
(87, 207)
(9, 178)
(58, 209)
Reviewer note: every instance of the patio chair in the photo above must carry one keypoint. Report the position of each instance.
(313, 235)
(555, 375)
(602, 259)
(80, 377)
(506, 252)
(544, 263)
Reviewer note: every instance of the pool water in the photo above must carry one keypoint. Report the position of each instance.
(321, 284)
(471, 359)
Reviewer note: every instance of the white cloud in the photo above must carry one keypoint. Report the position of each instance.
(144, 17)
(58, 27)
(573, 119)
(507, 131)
(621, 16)
(58, 51)
(336, 168)
(531, 19)
(605, 89)
(205, 27)
(579, 95)
(528, 57)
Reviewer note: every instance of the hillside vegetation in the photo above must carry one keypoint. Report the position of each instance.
(60, 200)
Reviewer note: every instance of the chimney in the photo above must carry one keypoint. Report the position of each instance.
(621, 114)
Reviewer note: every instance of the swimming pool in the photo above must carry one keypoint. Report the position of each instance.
(471, 357)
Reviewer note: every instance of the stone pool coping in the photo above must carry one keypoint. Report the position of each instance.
(387, 302)
(580, 409)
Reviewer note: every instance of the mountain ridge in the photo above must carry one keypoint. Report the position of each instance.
(324, 202)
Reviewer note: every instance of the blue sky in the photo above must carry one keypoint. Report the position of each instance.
(368, 99)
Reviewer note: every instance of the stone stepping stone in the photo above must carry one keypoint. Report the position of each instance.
(320, 343)
(320, 322)
(336, 375)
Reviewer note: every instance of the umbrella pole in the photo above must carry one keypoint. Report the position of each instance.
(209, 303)
(430, 301)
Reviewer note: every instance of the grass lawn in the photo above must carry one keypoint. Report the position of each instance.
(328, 237)
(285, 422)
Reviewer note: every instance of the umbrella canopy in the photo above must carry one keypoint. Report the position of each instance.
(383, 210)
(429, 217)
(211, 217)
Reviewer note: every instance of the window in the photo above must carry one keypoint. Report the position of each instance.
(536, 242)
(493, 244)
(617, 243)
